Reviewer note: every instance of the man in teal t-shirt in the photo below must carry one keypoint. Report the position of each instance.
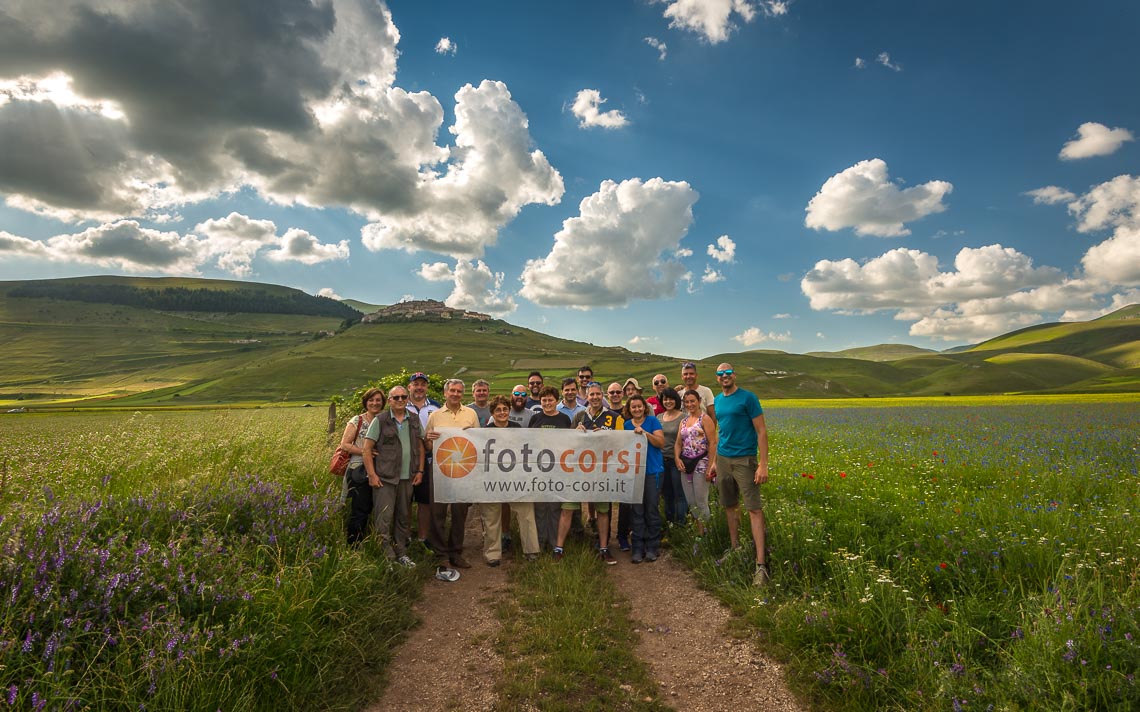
(741, 461)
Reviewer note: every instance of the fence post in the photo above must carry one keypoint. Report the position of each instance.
(332, 418)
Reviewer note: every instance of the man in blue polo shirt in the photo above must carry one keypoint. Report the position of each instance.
(741, 461)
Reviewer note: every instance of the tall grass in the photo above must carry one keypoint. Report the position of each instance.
(186, 561)
(948, 558)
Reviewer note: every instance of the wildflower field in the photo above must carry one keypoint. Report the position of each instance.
(957, 558)
(185, 560)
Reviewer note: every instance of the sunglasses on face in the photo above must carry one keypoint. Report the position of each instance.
(614, 393)
(725, 372)
(661, 383)
(397, 397)
(518, 393)
(536, 383)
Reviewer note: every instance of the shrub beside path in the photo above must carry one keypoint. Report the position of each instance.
(450, 662)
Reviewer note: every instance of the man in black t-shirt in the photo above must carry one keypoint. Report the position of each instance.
(546, 514)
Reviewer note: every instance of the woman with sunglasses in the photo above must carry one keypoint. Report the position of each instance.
(646, 517)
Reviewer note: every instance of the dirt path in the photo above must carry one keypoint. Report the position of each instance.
(685, 641)
(449, 662)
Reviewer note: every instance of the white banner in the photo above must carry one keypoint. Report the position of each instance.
(538, 465)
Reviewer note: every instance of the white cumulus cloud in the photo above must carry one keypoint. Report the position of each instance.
(1094, 139)
(329, 292)
(864, 198)
(298, 245)
(753, 335)
(860, 63)
(711, 19)
(446, 46)
(711, 276)
(585, 107)
(723, 250)
(662, 49)
(884, 59)
(1050, 195)
(619, 248)
(477, 288)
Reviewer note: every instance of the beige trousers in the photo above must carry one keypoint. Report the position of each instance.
(492, 516)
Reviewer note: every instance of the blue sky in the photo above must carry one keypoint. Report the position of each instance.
(687, 177)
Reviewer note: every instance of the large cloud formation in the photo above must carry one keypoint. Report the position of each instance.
(864, 198)
(993, 289)
(619, 248)
(169, 104)
(230, 243)
(477, 288)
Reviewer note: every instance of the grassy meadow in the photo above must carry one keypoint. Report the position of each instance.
(947, 554)
(185, 560)
(932, 557)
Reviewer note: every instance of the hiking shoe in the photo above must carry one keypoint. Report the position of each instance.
(606, 557)
(637, 558)
(532, 557)
(623, 543)
(445, 574)
(760, 578)
(406, 562)
(557, 556)
(651, 555)
(494, 563)
(460, 563)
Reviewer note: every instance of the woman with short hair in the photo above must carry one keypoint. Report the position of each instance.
(354, 485)
(646, 517)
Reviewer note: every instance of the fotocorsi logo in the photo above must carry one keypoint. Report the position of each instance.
(456, 457)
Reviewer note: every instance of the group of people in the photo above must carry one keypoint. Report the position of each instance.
(694, 438)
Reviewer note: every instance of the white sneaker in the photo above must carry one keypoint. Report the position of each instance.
(406, 562)
(445, 574)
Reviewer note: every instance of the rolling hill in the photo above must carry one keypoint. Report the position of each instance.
(61, 350)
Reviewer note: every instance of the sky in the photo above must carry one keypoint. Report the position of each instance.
(686, 177)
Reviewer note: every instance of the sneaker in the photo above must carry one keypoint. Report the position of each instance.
(623, 543)
(406, 562)
(494, 563)
(760, 578)
(445, 574)
(637, 558)
(557, 553)
(606, 557)
(460, 563)
(532, 557)
(651, 555)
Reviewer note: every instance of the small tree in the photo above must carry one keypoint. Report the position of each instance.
(349, 405)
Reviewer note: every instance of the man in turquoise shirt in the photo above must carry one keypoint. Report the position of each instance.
(741, 461)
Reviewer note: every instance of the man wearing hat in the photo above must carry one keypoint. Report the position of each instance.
(422, 407)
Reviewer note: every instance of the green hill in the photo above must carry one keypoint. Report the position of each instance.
(77, 351)
(881, 352)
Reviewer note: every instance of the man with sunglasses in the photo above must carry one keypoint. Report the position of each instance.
(660, 383)
(689, 378)
(520, 413)
(615, 397)
(741, 462)
(585, 378)
(394, 460)
(534, 382)
(420, 405)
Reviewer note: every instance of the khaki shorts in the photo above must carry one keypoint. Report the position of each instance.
(602, 507)
(736, 480)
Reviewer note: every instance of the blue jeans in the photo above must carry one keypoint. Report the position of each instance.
(647, 518)
(673, 494)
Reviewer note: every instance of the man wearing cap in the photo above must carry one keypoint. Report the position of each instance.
(421, 406)
(660, 383)
(631, 388)
(453, 414)
(741, 462)
(689, 378)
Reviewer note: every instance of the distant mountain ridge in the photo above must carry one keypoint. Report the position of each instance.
(67, 351)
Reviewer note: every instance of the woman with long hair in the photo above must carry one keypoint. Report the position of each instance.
(694, 453)
(646, 517)
(355, 487)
